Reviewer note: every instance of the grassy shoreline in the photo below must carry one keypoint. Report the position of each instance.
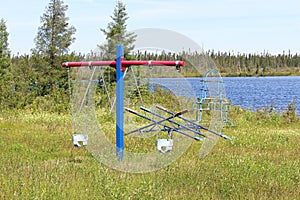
(260, 74)
(39, 161)
(245, 74)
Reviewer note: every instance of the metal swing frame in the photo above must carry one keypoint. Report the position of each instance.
(120, 65)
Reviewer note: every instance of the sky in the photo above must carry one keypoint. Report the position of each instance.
(238, 26)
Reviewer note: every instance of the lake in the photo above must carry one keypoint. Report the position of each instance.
(248, 92)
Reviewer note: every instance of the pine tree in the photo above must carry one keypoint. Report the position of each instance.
(116, 33)
(5, 75)
(54, 35)
(4, 50)
(52, 43)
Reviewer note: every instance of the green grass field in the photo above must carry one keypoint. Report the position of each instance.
(38, 161)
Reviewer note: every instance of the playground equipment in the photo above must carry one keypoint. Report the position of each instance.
(164, 119)
(212, 99)
(121, 65)
(180, 127)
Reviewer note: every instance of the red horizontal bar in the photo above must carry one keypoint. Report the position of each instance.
(125, 63)
(91, 63)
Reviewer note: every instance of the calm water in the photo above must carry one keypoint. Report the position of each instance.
(248, 92)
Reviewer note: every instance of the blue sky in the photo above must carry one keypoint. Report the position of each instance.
(245, 26)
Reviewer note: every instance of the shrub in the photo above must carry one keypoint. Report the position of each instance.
(290, 115)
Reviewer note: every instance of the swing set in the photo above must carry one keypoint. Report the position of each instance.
(174, 122)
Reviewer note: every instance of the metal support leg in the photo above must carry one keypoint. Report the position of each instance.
(120, 104)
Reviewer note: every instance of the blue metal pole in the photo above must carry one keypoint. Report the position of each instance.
(120, 103)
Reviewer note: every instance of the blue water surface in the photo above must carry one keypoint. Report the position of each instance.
(248, 92)
(260, 92)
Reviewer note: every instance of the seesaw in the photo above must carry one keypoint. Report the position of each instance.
(165, 145)
(193, 124)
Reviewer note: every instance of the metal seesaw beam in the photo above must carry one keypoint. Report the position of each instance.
(173, 122)
(144, 117)
(193, 123)
(160, 123)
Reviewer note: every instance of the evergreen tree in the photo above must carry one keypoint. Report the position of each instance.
(52, 43)
(116, 33)
(4, 50)
(5, 75)
(24, 88)
(54, 35)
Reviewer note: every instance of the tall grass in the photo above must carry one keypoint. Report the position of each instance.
(38, 161)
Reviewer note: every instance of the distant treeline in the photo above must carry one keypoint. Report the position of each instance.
(230, 64)
(264, 64)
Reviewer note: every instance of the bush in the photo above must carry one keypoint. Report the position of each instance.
(290, 115)
(58, 101)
